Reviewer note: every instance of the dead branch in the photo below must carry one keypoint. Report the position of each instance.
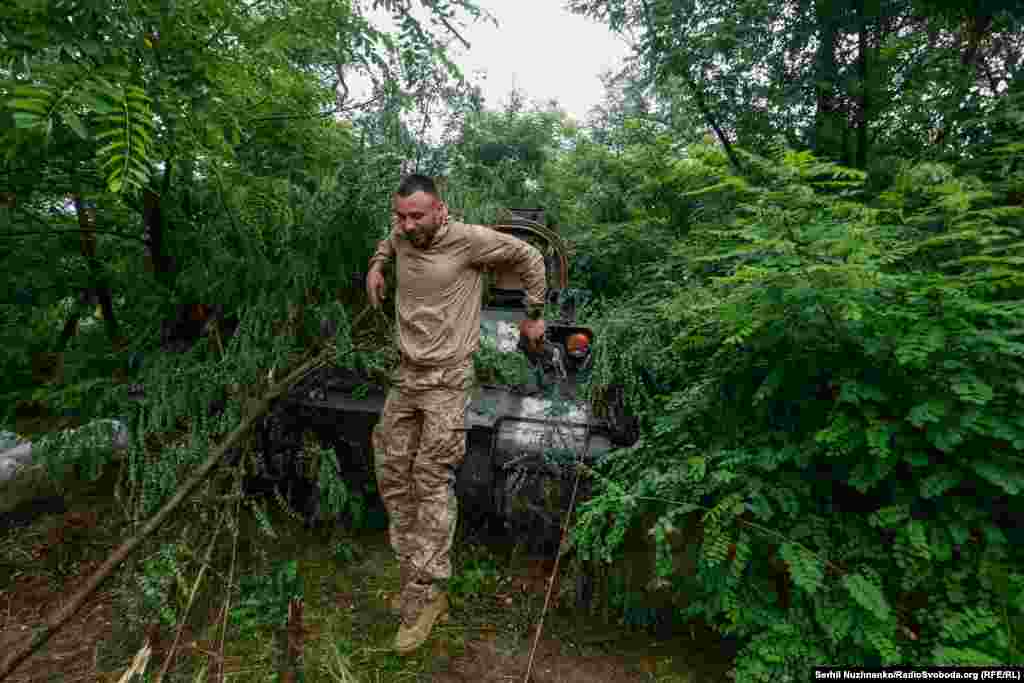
(227, 597)
(32, 233)
(253, 411)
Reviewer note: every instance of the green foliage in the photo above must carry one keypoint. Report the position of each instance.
(971, 624)
(476, 577)
(87, 449)
(336, 497)
(867, 594)
(128, 134)
(862, 84)
(265, 596)
(497, 158)
(120, 121)
(826, 361)
(807, 570)
(163, 589)
(495, 367)
(838, 385)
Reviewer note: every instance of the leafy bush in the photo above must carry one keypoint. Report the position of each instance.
(265, 597)
(841, 374)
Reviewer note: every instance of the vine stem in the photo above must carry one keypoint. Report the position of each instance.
(558, 553)
(254, 410)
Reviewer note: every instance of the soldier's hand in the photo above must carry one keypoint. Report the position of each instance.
(376, 288)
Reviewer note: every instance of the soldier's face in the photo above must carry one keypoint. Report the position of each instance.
(418, 217)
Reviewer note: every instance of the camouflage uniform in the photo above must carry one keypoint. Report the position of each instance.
(419, 444)
(420, 440)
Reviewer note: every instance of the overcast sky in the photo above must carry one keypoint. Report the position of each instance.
(542, 49)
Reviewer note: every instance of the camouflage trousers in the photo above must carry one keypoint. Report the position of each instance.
(418, 444)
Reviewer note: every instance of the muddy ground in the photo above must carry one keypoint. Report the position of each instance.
(347, 581)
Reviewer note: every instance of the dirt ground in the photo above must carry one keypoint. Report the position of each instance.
(347, 624)
(34, 563)
(484, 661)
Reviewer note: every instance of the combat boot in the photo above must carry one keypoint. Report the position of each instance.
(422, 606)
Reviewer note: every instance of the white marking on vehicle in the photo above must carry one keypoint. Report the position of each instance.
(508, 336)
(566, 411)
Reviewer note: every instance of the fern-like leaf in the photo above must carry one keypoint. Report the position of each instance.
(836, 621)
(917, 540)
(808, 571)
(123, 116)
(889, 517)
(716, 547)
(743, 554)
(963, 656)
(867, 595)
(936, 484)
(1010, 480)
(969, 625)
(883, 644)
(129, 135)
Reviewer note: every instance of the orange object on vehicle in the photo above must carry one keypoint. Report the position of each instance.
(578, 343)
(199, 312)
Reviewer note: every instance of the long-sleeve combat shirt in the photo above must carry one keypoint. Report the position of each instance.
(440, 288)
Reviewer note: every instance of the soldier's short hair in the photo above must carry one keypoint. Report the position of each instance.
(415, 182)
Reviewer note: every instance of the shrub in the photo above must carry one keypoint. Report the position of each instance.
(833, 387)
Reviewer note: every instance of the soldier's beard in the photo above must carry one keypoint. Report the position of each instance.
(423, 237)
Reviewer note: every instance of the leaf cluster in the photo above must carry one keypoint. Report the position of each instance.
(840, 372)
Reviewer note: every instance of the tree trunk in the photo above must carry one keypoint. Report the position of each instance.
(977, 29)
(847, 153)
(98, 285)
(864, 94)
(712, 122)
(68, 332)
(157, 260)
(828, 123)
(185, 175)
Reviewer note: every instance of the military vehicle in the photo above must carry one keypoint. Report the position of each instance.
(523, 437)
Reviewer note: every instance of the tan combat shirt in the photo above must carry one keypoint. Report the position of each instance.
(440, 288)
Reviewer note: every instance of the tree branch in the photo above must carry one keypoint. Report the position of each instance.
(698, 94)
(329, 112)
(27, 233)
(454, 32)
(253, 410)
(710, 119)
(340, 97)
(429, 4)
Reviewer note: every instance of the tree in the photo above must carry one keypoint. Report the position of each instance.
(502, 154)
(841, 77)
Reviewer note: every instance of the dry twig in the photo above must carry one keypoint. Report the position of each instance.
(227, 598)
(191, 600)
(56, 618)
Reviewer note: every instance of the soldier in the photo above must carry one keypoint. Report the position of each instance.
(419, 441)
